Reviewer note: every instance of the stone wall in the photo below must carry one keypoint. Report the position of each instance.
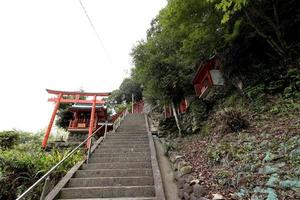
(77, 137)
(188, 186)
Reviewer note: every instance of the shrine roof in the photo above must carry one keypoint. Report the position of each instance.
(85, 107)
(202, 65)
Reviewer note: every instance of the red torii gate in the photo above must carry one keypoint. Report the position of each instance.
(60, 99)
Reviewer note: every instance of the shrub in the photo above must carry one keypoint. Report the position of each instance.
(20, 169)
(8, 139)
(231, 120)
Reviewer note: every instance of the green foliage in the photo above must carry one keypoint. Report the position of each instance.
(21, 166)
(256, 40)
(229, 7)
(8, 139)
(128, 87)
(231, 120)
(293, 89)
(63, 117)
(183, 32)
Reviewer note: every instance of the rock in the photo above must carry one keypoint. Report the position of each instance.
(271, 194)
(287, 184)
(273, 181)
(180, 193)
(186, 170)
(180, 182)
(187, 188)
(268, 170)
(241, 193)
(173, 157)
(194, 181)
(295, 154)
(181, 164)
(198, 190)
(269, 157)
(186, 196)
(177, 175)
(192, 197)
(218, 197)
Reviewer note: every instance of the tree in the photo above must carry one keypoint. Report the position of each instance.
(130, 87)
(275, 21)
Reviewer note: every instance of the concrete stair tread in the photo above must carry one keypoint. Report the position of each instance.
(113, 172)
(124, 198)
(98, 159)
(117, 165)
(93, 178)
(107, 192)
(120, 168)
(111, 181)
(121, 154)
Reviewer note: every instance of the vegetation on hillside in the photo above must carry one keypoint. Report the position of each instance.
(22, 162)
(257, 41)
(244, 141)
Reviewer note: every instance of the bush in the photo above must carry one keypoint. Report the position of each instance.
(231, 120)
(8, 139)
(19, 169)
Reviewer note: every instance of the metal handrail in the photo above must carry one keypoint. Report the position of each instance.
(59, 163)
(121, 117)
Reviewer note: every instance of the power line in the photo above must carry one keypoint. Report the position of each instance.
(95, 30)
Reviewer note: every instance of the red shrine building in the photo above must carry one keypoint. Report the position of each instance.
(208, 75)
(88, 114)
(80, 123)
(182, 107)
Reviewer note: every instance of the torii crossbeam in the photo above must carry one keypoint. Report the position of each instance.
(61, 97)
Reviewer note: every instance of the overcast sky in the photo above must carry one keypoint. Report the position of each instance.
(50, 44)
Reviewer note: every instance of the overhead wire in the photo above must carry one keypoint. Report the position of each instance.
(95, 31)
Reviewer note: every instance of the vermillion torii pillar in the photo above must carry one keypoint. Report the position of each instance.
(92, 120)
(75, 99)
(44, 143)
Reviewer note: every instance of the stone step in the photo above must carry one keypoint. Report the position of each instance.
(110, 181)
(121, 154)
(130, 133)
(121, 150)
(118, 159)
(132, 129)
(107, 192)
(117, 165)
(113, 173)
(104, 145)
(128, 142)
(138, 136)
(131, 198)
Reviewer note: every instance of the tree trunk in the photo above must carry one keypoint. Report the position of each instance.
(176, 119)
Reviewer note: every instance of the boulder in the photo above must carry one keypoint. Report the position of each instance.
(187, 188)
(198, 190)
(186, 170)
(218, 197)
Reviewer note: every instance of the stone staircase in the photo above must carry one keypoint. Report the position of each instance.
(121, 167)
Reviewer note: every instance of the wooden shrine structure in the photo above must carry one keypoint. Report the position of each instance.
(208, 76)
(88, 113)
